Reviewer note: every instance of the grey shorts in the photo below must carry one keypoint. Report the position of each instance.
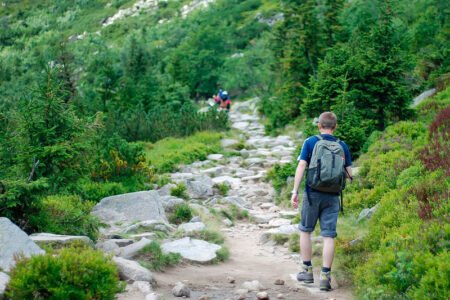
(324, 207)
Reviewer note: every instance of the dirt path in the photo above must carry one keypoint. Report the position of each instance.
(251, 258)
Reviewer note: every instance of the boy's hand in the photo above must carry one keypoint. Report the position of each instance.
(294, 200)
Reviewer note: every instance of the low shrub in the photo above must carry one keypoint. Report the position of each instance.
(294, 244)
(179, 191)
(222, 254)
(96, 191)
(68, 215)
(152, 257)
(72, 274)
(223, 188)
(279, 175)
(181, 213)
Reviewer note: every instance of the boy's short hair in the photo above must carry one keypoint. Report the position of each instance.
(328, 120)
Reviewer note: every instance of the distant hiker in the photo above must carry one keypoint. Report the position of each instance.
(219, 94)
(329, 163)
(217, 100)
(225, 101)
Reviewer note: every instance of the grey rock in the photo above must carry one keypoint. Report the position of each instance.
(4, 280)
(422, 97)
(191, 249)
(255, 161)
(215, 157)
(143, 286)
(201, 187)
(216, 171)
(50, 238)
(165, 190)
(240, 125)
(253, 286)
(299, 134)
(14, 241)
(145, 205)
(288, 214)
(192, 227)
(262, 296)
(170, 202)
(282, 230)
(357, 241)
(107, 246)
(367, 213)
(181, 290)
(228, 142)
(227, 222)
(148, 225)
(147, 235)
(131, 270)
(195, 219)
(132, 250)
(245, 153)
(238, 201)
(153, 296)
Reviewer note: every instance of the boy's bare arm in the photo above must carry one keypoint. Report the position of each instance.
(297, 181)
(349, 172)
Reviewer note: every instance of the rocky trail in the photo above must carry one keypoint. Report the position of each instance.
(256, 263)
(260, 264)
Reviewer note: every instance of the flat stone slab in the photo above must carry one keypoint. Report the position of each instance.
(215, 157)
(145, 205)
(240, 125)
(193, 250)
(50, 238)
(131, 270)
(228, 142)
(14, 241)
(148, 225)
(191, 227)
(282, 230)
(132, 250)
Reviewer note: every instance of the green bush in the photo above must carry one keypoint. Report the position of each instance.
(151, 257)
(223, 254)
(20, 201)
(179, 191)
(181, 213)
(72, 274)
(223, 188)
(96, 191)
(68, 215)
(294, 244)
(279, 174)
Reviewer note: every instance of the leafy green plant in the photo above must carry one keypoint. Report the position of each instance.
(181, 213)
(68, 215)
(222, 254)
(151, 256)
(294, 245)
(223, 188)
(72, 274)
(179, 191)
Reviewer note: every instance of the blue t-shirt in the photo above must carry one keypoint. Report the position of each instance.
(308, 147)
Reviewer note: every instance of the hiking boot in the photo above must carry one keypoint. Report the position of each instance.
(325, 281)
(306, 275)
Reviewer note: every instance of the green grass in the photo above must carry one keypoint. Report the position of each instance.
(151, 257)
(222, 254)
(165, 155)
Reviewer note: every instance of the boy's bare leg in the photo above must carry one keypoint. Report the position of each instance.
(305, 245)
(328, 251)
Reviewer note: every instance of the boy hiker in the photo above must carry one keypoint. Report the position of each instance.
(328, 161)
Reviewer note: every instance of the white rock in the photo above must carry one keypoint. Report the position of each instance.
(253, 286)
(4, 280)
(181, 290)
(165, 190)
(192, 227)
(228, 142)
(262, 296)
(132, 250)
(148, 225)
(191, 249)
(215, 156)
(145, 205)
(143, 286)
(50, 238)
(14, 241)
(131, 270)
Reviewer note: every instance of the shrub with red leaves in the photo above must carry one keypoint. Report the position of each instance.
(437, 153)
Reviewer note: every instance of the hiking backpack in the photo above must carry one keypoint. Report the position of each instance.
(326, 170)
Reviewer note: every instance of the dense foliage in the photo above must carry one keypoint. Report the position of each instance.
(71, 274)
(406, 173)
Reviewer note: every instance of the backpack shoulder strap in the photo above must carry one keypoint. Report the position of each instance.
(319, 136)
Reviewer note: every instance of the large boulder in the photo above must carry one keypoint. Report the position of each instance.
(132, 250)
(145, 205)
(285, 230)
(4, 280)
(197, 251)
(192, 227)
(201, 187)
(14, 241)
(131, 270)
(59, 239)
